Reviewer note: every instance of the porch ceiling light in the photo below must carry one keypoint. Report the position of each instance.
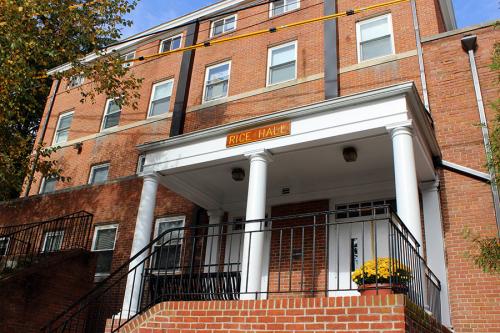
(350, 154)
(238, 174)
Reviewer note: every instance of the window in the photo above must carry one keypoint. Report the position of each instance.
(140, 163)
(281, 62)
(104, 244)
(375, 38)
(168, 249)
(128, 56)
(4, 245)
(171, 43)
(62, 128)
(224, 25)
(364, 209)
(217, 81)
(111, 114)
(279, 7)
(52, 241)
(75, 81)
(48, 185)
(99, 173)
(160, 98)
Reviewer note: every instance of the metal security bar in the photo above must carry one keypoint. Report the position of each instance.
(309, 255)
(22, 245)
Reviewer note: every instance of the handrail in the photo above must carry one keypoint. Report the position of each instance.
(189, 279)
(26, 242)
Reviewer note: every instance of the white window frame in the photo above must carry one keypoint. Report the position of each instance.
(153, 90)
(269, 57)
(271, 8)
(172, 38)
(42, 187)
(204, 99)
(79, 82)
(358, 35)
(104, 227)
(141, 162)
(6, 247)
(167, 219)
(52, 233)
(124, 58)
(64, 114)
(106, 108)
(92, 171)
(212, 25)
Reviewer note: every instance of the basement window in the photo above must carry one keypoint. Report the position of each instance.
(279, 7)
(223, 26)
(99, 173)
(112, 114)
(104, 245)
(160, 98)
(375, 38)
(62, 128)
(168, 249)
(282, 63)
(52, 241)
(171, 44)
(217, 81)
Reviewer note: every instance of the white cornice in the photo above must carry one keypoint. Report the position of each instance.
(219, 6)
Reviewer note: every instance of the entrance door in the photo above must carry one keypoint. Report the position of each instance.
(359, 233)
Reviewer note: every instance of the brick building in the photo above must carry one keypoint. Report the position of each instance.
(257, 175)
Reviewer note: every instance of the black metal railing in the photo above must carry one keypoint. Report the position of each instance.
(308, 255)
(22, 245)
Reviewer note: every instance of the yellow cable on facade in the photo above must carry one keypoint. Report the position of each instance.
(269, 30)
(255, 33)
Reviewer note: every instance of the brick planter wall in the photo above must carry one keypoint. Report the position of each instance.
(394, 313)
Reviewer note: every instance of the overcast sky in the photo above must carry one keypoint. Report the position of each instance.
(153, 12)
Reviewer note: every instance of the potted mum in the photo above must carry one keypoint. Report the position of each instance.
(386, 276)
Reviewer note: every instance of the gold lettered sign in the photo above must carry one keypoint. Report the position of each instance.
(258, 134)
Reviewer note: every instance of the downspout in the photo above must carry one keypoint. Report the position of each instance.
(42, 136)
(469, 44)
(420, 54)
(184, 81)
(330, 38)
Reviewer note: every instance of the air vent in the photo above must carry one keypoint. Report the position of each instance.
(285, 190)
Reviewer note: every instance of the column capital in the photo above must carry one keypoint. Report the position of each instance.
(261, 154)
(430, 186)
(405, 127)
(151, 177)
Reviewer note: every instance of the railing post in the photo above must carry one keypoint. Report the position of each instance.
(253, 244)
(142, 237)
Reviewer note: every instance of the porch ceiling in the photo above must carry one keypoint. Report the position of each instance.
(309, 161)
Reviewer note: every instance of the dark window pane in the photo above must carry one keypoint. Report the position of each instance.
(104, 260)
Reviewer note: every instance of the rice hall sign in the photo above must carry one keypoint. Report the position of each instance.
(258, 134)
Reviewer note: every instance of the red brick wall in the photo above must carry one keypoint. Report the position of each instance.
(248, 73)
(466, 203)
(391, 313)
(32, 297)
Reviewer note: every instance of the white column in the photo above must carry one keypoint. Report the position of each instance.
(405, 176)
(212, 254)
(142, 237)
(434, 241)
(253, 245)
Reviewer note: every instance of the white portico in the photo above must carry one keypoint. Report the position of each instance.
(389, 129)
